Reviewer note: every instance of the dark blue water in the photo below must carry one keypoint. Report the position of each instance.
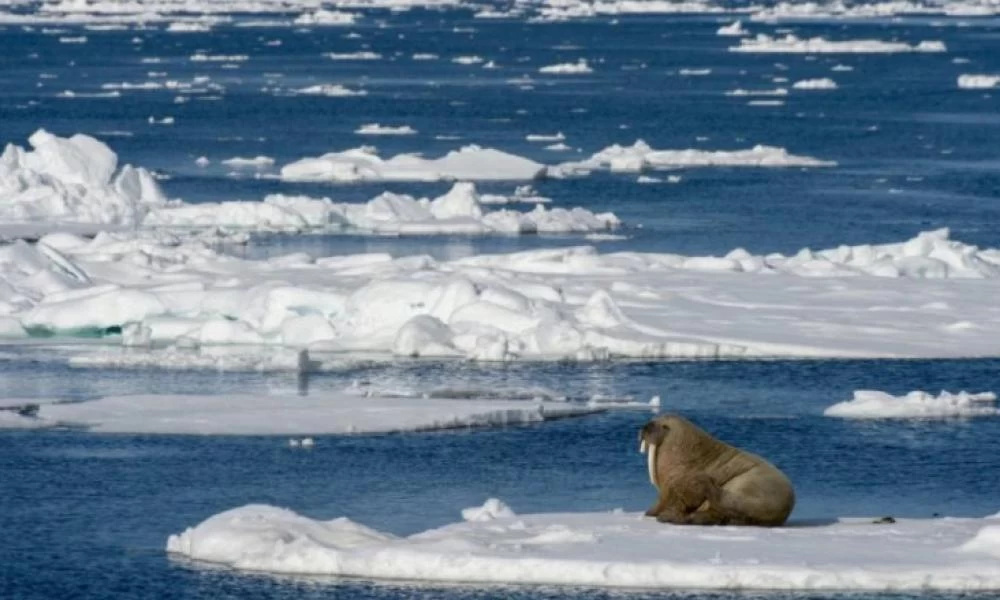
(87, 516)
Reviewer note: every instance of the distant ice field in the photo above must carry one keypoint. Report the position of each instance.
(913, 148)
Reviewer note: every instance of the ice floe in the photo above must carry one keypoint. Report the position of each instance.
(257, 162)
(460, 211)
(871, 404)
(978, 82)
(330, 90)
(824, 83)
(493, 545)
(640, 156)
(321, 414)
(377, 129)
(578, 68)
(734, 29)
(323, 16)
(364, 164)
(817, 45)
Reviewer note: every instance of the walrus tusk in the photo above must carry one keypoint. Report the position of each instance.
(642, 446)
(651, 462)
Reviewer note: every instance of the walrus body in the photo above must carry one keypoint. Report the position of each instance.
(703, 481)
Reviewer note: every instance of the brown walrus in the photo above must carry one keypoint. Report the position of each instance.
(702, 481)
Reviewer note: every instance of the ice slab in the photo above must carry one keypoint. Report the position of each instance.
(326, 413)
(609, 550)
(470, 163)
(871, 404)
(640, 156)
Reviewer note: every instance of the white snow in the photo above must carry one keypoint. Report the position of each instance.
(364, 164)
(870, 404)
(320, 414)
(824, 83)
(72, 180)
(609, 549)
(577, 68)
(792, 44)
(640, 156)
(377, 129)
(978, 82)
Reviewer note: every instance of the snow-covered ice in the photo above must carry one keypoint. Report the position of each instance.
(460, 211)
(824, 83)
(871, 404)
(609, 549)
(734, 29)
(927, 297)
(978, 82)
(72, 180)
(580, 67)
(640, 156)
(378, 129)
(330, 90)
(364, 164)
(792, 44)
(328, 413)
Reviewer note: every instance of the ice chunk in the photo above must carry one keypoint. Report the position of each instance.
(870, 404)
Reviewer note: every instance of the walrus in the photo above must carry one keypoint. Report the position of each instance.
(703, 481)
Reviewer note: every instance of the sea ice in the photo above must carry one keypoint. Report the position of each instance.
(610, 549)
(978, 82)
(870, 404)
(321, 414)
(824, 83)
(377, 129)
(791, 44)
(578, 68)
(640, 156)
(364, 164)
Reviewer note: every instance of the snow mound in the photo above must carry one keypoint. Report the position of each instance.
(609, 550)
(72, 180)
(824, 83)
(978, 82)
(870, 404)
(640, 156)
(492, 509)
(328, 413)
(791, 44)
(363, 164)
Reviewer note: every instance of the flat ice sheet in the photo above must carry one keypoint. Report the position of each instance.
(327, 413)
(610, 549)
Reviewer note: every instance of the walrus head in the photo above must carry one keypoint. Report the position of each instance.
(650, 439)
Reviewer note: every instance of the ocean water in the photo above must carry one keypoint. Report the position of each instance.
(87, 516)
